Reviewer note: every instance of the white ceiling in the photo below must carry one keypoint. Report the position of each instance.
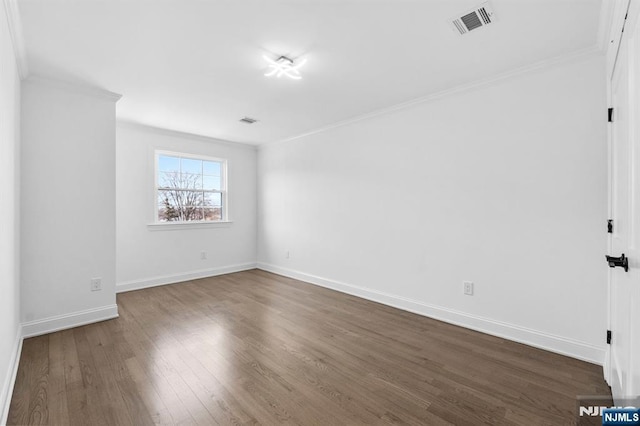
(197, 66)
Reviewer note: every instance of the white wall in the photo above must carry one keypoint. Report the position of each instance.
(68, 204)
(149, 255)
(504, 186)
(9, 237)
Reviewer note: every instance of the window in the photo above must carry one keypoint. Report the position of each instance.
(190, 188)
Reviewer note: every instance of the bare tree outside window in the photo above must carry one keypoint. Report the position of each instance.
(189, 189)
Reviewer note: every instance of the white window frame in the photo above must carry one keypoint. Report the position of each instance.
(224, 191)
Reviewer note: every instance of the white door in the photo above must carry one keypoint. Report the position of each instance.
(624, 286)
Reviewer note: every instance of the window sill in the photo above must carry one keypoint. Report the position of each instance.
(174, 226)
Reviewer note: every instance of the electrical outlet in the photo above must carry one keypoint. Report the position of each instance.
(203, 255)
(468, 288)
(286, 254)
(96, 284)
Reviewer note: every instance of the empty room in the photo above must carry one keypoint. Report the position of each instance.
(319, 212)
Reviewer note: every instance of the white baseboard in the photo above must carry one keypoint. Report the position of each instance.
(74, 319)
(558, 344)
(187, 276)
(10, 378)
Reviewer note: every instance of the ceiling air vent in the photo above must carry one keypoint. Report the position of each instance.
(476, 18)
(248, 120)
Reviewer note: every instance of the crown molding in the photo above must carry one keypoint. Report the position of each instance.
(131, 124)
(76, 87)
(576, 56)
(17, 36)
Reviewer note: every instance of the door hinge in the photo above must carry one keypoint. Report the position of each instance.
(610, 115)
(608, 337)
(610, 226)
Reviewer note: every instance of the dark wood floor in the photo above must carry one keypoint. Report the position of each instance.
(254, 347)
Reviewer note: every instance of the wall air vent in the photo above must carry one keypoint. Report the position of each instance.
(479, 17)
(248, 120)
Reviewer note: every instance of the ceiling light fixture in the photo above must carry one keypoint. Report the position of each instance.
(284, 66)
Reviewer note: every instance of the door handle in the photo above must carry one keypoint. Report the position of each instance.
(621, 261)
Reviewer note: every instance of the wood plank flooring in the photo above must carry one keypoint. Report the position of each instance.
(258, 348)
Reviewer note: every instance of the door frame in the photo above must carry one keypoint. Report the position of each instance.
(625, 12)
